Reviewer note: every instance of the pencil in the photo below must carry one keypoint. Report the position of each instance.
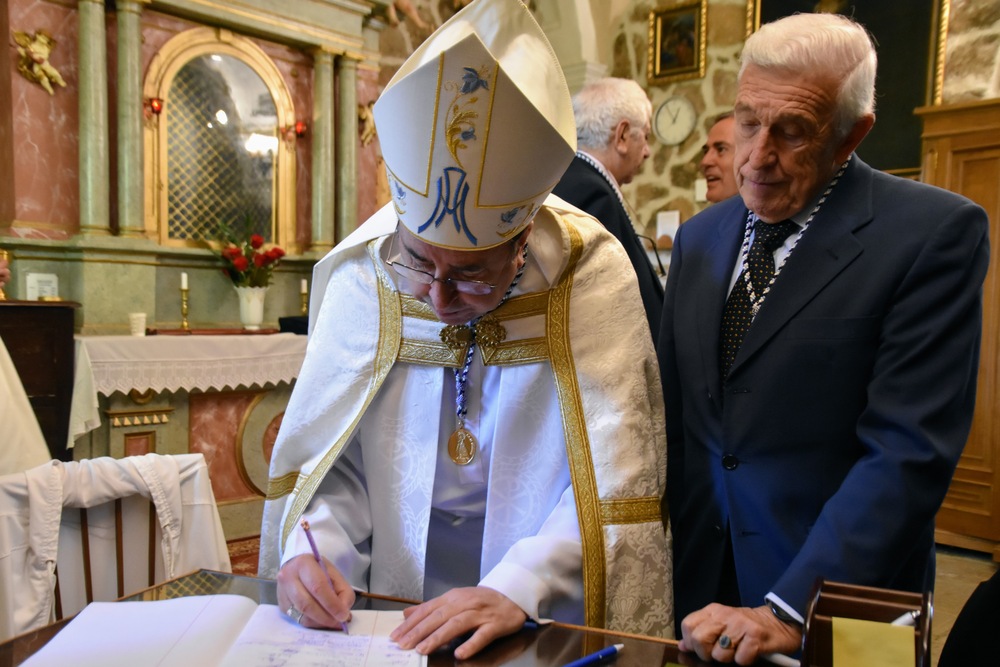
(312, 545)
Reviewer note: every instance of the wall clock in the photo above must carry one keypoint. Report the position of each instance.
(674, 120)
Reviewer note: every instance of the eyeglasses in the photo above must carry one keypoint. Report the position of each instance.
(477, 287)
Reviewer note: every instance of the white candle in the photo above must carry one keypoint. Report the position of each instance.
(184, 280)
(305, 286)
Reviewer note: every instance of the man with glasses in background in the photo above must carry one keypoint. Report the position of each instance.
(478, 421)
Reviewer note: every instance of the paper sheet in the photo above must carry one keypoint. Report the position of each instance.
(225, 630)
(858, 642)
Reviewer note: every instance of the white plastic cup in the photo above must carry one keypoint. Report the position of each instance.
(137, 323)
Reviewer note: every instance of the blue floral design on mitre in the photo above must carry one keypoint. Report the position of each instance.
(511, 221)
(462, 115)
(472, 81)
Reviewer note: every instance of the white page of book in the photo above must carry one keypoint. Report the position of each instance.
(167, 633)
(225, 630)
(271, 639)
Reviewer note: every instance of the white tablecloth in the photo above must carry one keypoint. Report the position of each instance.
(106, 364)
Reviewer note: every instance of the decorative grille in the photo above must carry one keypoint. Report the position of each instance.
(214, 177)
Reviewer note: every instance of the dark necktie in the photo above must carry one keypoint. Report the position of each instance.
(738, 315)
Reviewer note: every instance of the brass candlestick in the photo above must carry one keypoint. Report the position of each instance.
(184, 309)
(305, 303)
(4, 257)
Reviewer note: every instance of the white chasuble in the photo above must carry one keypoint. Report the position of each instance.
(576, 455)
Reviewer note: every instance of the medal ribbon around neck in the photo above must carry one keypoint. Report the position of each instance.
(462, 445)
(755, 300)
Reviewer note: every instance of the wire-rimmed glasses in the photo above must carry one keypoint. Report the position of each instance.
(476, 287)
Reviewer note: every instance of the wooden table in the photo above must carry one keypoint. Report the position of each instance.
(551, 645)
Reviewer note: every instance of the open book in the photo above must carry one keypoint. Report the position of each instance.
(218, 631)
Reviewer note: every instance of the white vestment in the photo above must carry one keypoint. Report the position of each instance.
(577, 461)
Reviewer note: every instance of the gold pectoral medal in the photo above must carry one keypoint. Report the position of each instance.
(462, 446)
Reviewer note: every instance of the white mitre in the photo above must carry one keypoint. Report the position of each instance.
(476, 128)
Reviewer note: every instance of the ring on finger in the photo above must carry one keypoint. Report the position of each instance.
(294, 614)
(725, 642)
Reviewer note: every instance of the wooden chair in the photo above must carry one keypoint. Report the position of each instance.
(832, 599)
(124, 525)
(108, 527)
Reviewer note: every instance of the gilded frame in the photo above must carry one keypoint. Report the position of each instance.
(171, 57)
(895, 126)
(677, 43)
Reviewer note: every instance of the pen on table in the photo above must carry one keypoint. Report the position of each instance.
(312, 545)
(909, 618)
(599, 658)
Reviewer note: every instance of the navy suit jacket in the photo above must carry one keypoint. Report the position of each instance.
(584, 187)
(848, 405)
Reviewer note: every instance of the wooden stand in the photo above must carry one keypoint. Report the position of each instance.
(39, 337)
(832, 599)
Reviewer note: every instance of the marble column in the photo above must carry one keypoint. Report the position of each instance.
(322, 158)
(94, 164)
(130, 111)
(347, 146)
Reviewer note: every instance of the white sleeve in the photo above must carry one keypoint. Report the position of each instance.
(545, 566)
(340, 520)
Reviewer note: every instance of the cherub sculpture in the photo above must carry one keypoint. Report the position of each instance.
(33, 61)
(366, 123)
(408, 10)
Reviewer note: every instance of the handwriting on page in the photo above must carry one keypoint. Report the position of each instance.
(270, 639)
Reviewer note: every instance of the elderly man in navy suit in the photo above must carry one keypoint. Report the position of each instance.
(819, 351)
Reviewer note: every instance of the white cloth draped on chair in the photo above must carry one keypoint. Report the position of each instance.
(38, 530)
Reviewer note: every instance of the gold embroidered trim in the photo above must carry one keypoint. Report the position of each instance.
(581, 464)
(411, 306)
(630, 510)
(525, 305)
(281, 486)
(429, 353)
(527, 351)
(506, 353)
(390, 328)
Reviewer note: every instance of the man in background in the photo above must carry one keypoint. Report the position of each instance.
(612, 130)
(717, 160)
(819, 350)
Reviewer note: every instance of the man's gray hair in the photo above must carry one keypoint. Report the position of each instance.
(828, 44)
(601, 105)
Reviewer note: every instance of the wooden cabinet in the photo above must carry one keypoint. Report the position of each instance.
(961, 152)
(39, 338)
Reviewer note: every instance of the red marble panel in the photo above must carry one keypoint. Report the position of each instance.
(214, 421)
(137, 444)
(45, 133)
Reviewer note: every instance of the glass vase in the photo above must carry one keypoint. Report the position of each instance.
(251, 306)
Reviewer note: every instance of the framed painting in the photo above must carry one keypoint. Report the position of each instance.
(910, 48)
(676, 43)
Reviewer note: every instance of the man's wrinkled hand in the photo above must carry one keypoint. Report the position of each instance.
(323, 596)
(485, 613)
(737, 634)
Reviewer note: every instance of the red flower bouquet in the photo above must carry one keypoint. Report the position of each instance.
(250, 262)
